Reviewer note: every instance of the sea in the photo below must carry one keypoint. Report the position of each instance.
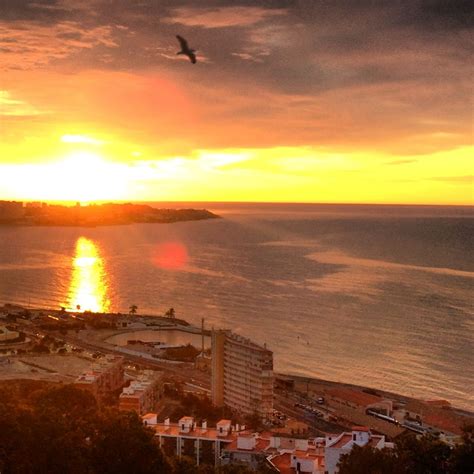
(379, 296)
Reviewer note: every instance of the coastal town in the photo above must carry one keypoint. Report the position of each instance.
(209, 394)
(37, 213)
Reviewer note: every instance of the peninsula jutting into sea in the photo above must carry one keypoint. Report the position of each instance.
(43, 214)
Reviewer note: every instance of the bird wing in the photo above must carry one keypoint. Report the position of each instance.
(182, 42)
(192, 57)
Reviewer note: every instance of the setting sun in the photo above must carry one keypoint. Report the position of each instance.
(262, 115)
(82, 176)
(85, 176)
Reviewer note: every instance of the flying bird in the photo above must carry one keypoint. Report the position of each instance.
(186, 50)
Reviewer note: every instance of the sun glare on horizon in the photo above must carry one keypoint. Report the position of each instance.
(85, 176)
(80, 176)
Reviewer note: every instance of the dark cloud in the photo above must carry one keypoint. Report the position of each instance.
(328, 70)
(452, 14)
(221, 17)
(41, 11)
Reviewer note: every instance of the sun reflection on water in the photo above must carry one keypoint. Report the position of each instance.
(88, 290)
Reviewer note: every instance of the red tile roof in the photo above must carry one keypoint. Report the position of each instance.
(260, 446)
(438, 403)
(354, 396)
(283, 463)
(343, 441)
(375, 440)
(444, 421)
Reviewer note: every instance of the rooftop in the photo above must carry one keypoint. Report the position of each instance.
(438, 403)
(347, 440)
(342, 441)
(246, 342)
(174, 430)
(261, 445)
(444, 421)
(442, 417)
(283, 461)
(375, 440)
(354, 396)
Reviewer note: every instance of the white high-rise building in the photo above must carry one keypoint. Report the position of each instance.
(242, 374)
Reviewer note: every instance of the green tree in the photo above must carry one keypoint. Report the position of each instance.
(171, 313)
(235, 469)
(412, 455)
(133, 309)
(66, 402)
(425, 455)
(58, 430)
(48, 432)
(206, 469)
(254, 421)
(184, 465)
(368, 460)
(40, 348)
(14, 443)
(462, 457)
(123, 444)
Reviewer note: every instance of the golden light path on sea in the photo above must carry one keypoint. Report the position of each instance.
(88, 289)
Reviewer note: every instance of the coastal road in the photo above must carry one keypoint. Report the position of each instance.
(286, 404)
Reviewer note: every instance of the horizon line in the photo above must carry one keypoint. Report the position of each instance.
(125, 201)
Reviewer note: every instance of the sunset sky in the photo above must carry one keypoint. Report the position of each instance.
(298, 101)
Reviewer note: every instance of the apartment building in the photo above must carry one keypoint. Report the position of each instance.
(242, 374)
(105, 375)
(188, 438)
(142, 394)
(336, 446)
(227, 444)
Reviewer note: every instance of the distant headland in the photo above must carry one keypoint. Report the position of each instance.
(43, 214)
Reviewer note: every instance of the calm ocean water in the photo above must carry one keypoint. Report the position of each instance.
(373, 295)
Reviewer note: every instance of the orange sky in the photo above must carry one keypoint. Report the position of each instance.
(327, 103)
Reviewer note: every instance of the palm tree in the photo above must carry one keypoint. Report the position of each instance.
(170, 313)
(133, 309)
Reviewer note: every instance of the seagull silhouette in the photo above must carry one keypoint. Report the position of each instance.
(186, 50)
